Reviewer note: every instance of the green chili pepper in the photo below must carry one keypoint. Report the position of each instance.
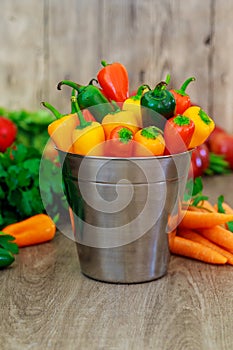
(157, 105)
(90, 96)
(6, 258)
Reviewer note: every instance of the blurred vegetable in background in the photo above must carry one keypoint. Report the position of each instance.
(32, 126)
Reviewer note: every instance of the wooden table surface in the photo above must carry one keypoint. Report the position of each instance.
(46, 303)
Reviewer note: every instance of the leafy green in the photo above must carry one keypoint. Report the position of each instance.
(7, 244)
(20, 190)
(222, 210)
(193, 192)
(32, 126)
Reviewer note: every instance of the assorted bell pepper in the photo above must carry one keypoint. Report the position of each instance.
(120, 117)
(178, 133)
(204, 125)
(113, 78)
(149, 142)
(158, 105)
(181, 97)
(154, 122)
(88, 136)
(119, 143)
(91, 97)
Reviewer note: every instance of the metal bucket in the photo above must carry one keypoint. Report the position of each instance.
(123, 209)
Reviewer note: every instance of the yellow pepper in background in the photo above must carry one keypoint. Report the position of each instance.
(122, 118)
(88, 137)
(133, 103)
(204, 125)
(61, 129)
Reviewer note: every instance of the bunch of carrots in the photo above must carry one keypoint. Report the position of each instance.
(204, 232)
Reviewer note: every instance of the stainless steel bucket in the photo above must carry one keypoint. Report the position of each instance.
(123, 209)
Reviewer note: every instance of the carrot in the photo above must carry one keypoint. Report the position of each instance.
(219, 235)
(226, 207)
(171, 236)
(194, 219)
(185, 247)
(196, 237)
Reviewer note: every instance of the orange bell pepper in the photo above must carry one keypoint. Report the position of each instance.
(149, 142)
(37, 229)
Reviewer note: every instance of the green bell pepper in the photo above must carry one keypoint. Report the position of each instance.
(157, 105)
(91, 97)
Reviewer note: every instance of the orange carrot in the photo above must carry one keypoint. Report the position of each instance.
(194, 219)
(226, 207)
(171, 236)
(196, 237)
(219, 235)
(185, 247)
(37, 229)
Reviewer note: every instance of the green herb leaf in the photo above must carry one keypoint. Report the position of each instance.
(7, 244)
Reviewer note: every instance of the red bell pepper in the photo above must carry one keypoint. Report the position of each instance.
(119, 143)
(181, 97)
(113, 78)
(178, 132)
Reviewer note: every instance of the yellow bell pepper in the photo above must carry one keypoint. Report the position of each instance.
(122, 118)
(88, 137)
(62, 128)
(204, 125)
(133, 103)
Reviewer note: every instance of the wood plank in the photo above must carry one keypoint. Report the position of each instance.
(74, 46)
(21, 54)
(222, 64)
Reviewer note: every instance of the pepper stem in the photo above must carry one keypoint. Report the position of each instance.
(69, 83)
(140, 92)
(83, 123)
(181, 91)
(104, 63)
(52, 109)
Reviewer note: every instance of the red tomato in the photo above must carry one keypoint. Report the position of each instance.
(178, 132)
(217, 130)
(8, 131)
(199, 161)
(222, 143)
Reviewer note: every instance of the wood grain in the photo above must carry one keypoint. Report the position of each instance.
(47, 41)
(46, 303)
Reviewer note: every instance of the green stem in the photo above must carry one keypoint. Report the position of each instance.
(72, 84)
(72, 99)
(83, 123)
(52, 109)
(181, 91)
(104, 63)
(139, 92)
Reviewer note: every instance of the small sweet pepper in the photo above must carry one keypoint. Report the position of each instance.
(149, 141)
(158, 105)
(90, 96)
(182, 98)
(120, 117)
(88, 137)
(113, 78)
(204, 125)
(133, 103)
(178, 132)
(63, 125)
(120, 143)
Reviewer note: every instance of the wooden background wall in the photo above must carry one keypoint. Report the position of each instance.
(43, 42)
